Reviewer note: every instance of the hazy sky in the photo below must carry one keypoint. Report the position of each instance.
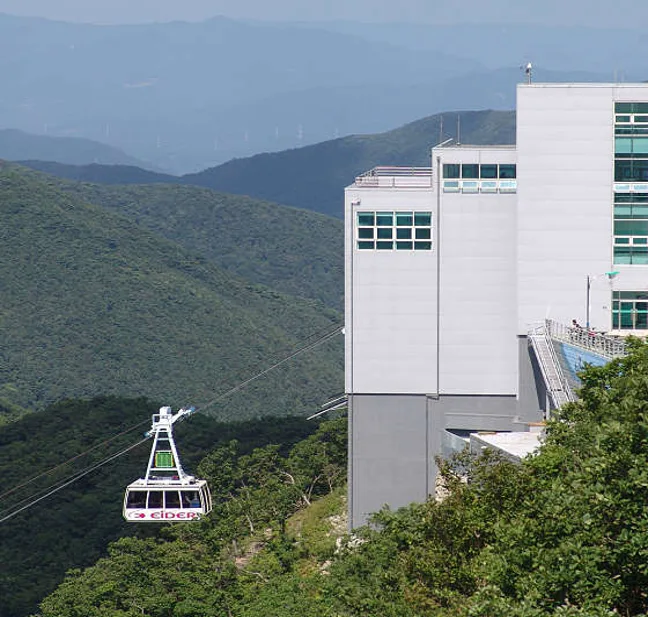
(620, 13)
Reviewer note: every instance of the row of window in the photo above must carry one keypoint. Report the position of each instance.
(630, 310)
(391, 219)
(633, 254)
(479, 186)
(401, 231)
(474, 171)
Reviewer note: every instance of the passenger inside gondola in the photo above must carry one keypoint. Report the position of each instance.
(190, 499)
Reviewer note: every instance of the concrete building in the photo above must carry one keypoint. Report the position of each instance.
(449, 268)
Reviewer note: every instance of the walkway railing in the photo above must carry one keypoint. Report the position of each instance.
(600, 344)
(557, 385)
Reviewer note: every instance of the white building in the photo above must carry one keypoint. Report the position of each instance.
(448, 268)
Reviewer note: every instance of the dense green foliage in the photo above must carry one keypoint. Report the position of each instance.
(93, 304)
(294, 251)
(313, 177)
(565, 533)
(207, 567)
(72, 527)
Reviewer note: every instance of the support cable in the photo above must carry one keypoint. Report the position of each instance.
(78, 476)
(52, 489)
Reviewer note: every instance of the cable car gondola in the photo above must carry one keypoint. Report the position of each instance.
(166, 493)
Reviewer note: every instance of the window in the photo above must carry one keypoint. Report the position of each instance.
(470, 170)
(451, 170)
(631, 108)
(630, 310)
(488, 171)
(386, 231)
(507, 171)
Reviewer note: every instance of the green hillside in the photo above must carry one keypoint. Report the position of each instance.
(73, 527)
(92, 304)
(314, 177)
(294, 251)
(562, 534)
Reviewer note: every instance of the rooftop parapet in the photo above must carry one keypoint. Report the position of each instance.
(402, 177)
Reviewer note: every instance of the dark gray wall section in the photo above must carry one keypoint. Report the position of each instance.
(393, 439)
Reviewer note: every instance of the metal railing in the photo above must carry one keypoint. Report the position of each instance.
(600, 344)
(396, 176)
(557, 385)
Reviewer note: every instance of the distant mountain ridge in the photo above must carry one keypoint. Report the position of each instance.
(17, 145)
(314, 177)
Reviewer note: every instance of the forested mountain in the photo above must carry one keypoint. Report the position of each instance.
(73, 527)
(96, 172)
(314, 177)
(294, 251)
(17, 145)
(94, 304)
(562, 534)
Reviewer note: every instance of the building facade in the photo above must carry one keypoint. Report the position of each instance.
(448, 268)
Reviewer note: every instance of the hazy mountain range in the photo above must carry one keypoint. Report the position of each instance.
(313, 177)
(185, 96)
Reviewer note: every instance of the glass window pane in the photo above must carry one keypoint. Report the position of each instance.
(641, 119)
(615, 321)
(470, 187)
(621, 255)
(639, 145)
(422, 218)
(488, 187)
(470, 170)
(621, 240)
(640, 256)
(423, 234)
(136, 499)
(384, 219)
(366, 218)
(422, 246)
(451, 171)
(622, 119)
(404, 234)
(366, 232)
(363, 245)
(622, 145)
(640, 108)
(384, 233)
(639, 240)
(383, 246)
(404, 219)
(155, 499)
(507, 171)
(171, 499)
(631, 228)
(488, 171)
(403, 246)
(450, 186)
(624, 210)
(623, 108)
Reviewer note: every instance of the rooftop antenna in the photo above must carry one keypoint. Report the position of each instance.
(441, 129)
(458, 129)
(528, 70)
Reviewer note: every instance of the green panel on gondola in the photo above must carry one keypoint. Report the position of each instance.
(164, 459)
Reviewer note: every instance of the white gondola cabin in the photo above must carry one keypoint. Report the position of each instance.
(166, 493)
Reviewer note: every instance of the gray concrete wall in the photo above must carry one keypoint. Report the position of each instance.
(394, 439)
